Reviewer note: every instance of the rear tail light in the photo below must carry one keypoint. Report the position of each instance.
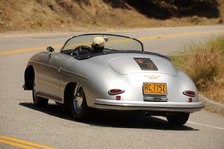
(115, 91)
(189, 93)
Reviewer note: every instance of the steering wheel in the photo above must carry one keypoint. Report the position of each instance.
(82, 50)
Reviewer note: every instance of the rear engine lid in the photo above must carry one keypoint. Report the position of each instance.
(129, 65)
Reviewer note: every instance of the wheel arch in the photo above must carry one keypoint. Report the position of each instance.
(29, 77)
(67, 91)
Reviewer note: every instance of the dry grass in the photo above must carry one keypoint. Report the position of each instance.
(205, 65)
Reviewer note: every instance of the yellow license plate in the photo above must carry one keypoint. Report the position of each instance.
(155, 88)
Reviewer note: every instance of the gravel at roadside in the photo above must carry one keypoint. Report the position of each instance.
(212, 106)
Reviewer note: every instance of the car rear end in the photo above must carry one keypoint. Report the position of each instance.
(147, 82)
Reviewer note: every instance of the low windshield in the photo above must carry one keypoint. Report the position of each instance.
(112, 42)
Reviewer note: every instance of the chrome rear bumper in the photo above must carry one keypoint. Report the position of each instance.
(151, 106)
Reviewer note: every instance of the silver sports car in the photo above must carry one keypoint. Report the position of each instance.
(110, 72)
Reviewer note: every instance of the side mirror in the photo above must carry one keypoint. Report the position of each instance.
(106, 39)
(50, 49)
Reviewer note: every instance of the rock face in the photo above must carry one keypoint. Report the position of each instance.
(67, 15)
(53, 15)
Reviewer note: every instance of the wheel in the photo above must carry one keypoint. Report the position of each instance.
(39, 102)
(178, 119)
(79, 108)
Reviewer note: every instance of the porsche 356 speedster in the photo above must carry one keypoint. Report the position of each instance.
(110, 72)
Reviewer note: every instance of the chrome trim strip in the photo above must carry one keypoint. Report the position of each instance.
(66, 71)
(43, 64)
(121, 105)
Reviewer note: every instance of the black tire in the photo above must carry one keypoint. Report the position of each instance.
(79, 108)
(39, 102)
(177, 119)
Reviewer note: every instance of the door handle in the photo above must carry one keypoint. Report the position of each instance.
(59, 69)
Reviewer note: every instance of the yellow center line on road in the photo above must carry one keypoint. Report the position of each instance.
(140, 38)
(16, 144)
(22, 143)
(25, 50)
(179, 35)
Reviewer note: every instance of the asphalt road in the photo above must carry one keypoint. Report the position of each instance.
(22, 125)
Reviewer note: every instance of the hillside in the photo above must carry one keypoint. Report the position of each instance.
(67, 15)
